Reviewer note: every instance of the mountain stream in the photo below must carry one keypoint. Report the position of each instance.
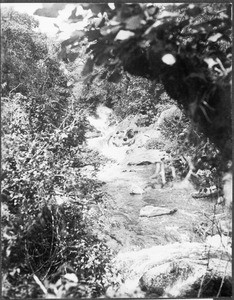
(125, 231)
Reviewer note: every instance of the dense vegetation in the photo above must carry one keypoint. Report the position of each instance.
(42, 150)
(186, 47)
(139, 59)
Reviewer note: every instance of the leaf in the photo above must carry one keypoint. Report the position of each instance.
(210, 62)
(124, 35)
(168, 59)
(151, 29)
(75, 45)
(215, 37)
(71, 276)
(88, 68)
(111, 5)
(113, 22)
(92, 47)
(75, 18)
(133, 23)
(222, 15)
(4, 84)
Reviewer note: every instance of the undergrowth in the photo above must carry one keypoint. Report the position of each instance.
(48, 247)
(45, 233)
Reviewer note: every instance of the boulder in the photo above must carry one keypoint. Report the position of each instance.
(136, 190)
(128, 133)
(144, 136)
(183, 278)
(140, 140)
(153, 211)
(157, 279)
(141, 156)
(179, 269)
(138, 262)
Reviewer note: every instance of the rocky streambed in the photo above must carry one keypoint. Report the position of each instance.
(156, 232)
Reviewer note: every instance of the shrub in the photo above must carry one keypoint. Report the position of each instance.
(46, 235)
(40, 236)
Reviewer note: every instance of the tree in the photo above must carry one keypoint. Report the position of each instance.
(28, 67)
(187, 47)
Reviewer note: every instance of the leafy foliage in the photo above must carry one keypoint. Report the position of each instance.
(47, 244)
(132, 95)
(22, 48)
(39, 236)
(29, 69)
(187, 47)
(181, 138)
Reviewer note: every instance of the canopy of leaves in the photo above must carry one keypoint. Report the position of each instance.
(187, 47)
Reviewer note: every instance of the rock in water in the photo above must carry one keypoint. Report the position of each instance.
(142, 156)
(179, 270)
(136, 190)
(153, 211)
(183, 278)
(156, 280)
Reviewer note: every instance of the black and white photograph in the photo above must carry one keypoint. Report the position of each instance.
(116, 150)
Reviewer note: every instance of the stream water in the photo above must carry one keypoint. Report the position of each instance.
(123, 228)
(140, 243)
